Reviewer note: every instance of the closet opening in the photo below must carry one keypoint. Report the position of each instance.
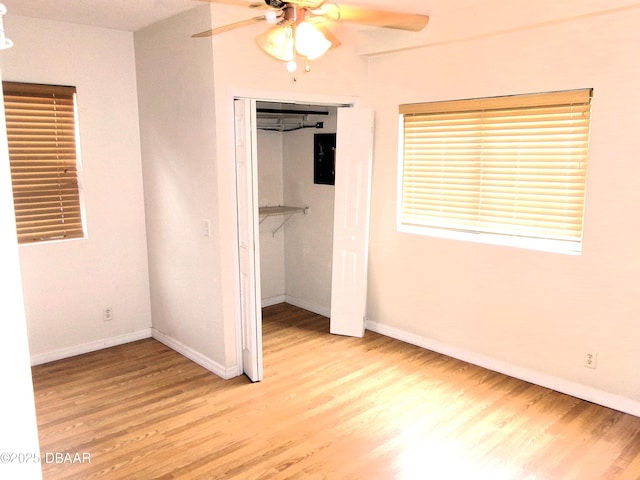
(315, 256)
(296, 169)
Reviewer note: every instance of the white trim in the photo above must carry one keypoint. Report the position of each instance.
(539, 244)
(296, 302)
(568, 387)
(41, 358)
(267, 302)
(290, 96)
(195, 356)
(212, 366)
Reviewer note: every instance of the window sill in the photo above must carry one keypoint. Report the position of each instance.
(536, 244)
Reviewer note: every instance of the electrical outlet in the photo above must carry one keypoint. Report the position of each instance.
(107, 314)
(591, 359)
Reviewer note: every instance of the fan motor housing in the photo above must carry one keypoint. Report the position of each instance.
(275, 3)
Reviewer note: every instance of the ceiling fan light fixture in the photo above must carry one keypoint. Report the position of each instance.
(310, 42)
(278, 42)
(299, 26)
(288, 38)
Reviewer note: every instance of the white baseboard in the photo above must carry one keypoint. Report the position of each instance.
(89, 347)
(195, 356)
(574, 389)
(214, 367)
(296, 302)
(267, 302)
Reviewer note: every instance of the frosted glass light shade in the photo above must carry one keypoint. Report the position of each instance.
(310, 42)
(278, 42)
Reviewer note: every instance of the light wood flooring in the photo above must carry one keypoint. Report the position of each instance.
(329, 407)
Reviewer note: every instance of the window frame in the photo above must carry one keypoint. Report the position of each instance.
(548, 244)
(44, 156)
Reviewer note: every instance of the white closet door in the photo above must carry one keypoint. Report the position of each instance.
(248, 240)
(354, 152)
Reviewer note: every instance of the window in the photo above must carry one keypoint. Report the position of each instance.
(507, 170)
(41, 130)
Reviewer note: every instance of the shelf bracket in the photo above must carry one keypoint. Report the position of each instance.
(288, 217)
(287, 212)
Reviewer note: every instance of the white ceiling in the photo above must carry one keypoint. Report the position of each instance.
(131, 15)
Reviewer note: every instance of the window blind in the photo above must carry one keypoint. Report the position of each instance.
(512, 165)
(41, 131)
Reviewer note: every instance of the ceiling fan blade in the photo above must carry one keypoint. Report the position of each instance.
(240, 3)
(375, 18)
(230, 26)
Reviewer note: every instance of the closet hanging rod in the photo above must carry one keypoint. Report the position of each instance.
(291, 112)
(283, 128)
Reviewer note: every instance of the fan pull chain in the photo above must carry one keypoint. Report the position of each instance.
(307, 69)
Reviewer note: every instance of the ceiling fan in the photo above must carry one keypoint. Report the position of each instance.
(299, 27)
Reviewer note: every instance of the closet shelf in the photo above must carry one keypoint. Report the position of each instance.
(280, 210)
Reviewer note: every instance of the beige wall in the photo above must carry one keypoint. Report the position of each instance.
(68, 284)
(309, 239)
(531, 312)
(176, 94)
(270, 193)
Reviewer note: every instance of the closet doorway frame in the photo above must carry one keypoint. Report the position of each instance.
(242, 323)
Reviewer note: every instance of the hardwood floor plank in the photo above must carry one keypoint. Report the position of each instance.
(330, 407)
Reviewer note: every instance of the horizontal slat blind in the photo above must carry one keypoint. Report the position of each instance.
(42, 152)
(507, 165)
